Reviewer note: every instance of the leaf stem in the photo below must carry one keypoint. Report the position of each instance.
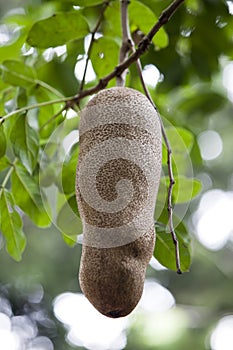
(8, 175)
(40, 83)
(49, 88)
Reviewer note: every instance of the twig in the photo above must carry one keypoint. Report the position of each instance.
(126, 40)
(36, 105)
(53, 117)
(94, 31)
(169, 164)
(169, 200)
(127, 45)
(142, 47)
(170, 173)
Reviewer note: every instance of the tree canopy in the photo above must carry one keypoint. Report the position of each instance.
(54, 55)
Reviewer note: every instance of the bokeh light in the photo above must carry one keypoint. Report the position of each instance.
(87, 327)
(20, 332)
(221, 337)
(228, 71)
(213, 219)
(156, 298)
(210, 144)
(151, 75)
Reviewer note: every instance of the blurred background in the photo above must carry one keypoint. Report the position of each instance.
(191, 80)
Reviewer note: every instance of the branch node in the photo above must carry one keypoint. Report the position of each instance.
(103, 83)
(144, 44)
(142, 47)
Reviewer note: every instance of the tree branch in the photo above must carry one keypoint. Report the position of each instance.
(142, 47)
(164, 18)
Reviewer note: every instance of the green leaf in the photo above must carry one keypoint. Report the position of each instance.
(184, 190)
(201, 102)
(71, 241)
(13, 50)
(104, 56)
(2, 141)
(69, 171)
(181, 141)
(86, 3)
(68, 220)
(4, 163)
(17, 73)
(28, 197)
(59, 153)
(25, 142)
(45, 113)
(112, 23)
(11, 226)
(57, 30)
(48, 175)
(22, 99)
(161, 200)
(7, 96)
(164, 250)
(143, 18)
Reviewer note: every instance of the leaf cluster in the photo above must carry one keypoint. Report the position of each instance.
(41, 66)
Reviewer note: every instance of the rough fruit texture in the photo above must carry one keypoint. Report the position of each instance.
(113, 278)
(117, 182)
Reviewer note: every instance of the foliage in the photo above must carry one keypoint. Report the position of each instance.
(36, 79)
(41, 68)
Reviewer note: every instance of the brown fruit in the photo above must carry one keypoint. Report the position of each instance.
(117, 182)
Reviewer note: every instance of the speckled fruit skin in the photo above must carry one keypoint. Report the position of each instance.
(117, 182)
